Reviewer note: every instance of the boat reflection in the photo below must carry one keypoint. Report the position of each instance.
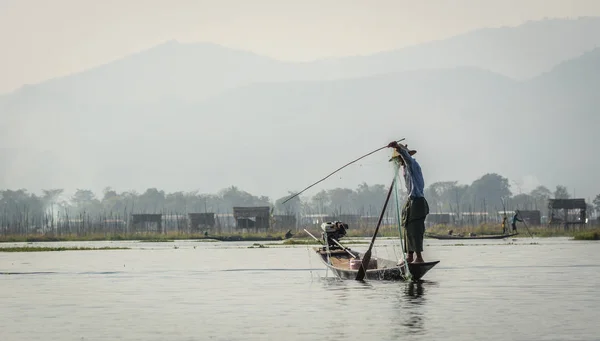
(412, 306)
(410, 312)
(414, 290)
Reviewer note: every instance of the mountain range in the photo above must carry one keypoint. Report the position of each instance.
(519, 101)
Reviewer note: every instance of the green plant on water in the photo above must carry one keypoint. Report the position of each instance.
(300, 242)
(156, 240)
(62, 248)
(142, 236)
(587, 235)
(356, 242)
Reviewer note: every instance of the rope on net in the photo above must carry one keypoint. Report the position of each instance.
(399, 219)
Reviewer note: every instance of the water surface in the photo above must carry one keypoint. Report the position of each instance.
(521, 289)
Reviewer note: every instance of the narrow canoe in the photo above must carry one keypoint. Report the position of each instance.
(496, 236)
(379, 269)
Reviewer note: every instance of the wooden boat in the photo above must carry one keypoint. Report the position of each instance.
(345, 266)
(450, 236)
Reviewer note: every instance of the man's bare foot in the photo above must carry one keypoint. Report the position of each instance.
(408, 261)
(418, 260)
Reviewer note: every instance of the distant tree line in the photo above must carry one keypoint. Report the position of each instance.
(491, 193)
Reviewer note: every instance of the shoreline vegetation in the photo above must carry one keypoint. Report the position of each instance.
(588, 235)
(591, 233)
(142, 237)
(61, 248)
(299, 237)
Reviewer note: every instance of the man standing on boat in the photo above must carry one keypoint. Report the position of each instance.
(514, 221)
(416, 208)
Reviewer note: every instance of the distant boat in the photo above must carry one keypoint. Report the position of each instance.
(450, 236)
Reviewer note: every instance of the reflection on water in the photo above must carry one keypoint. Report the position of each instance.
(405, 301)
(414, 290)
(409, 311)
(413, 305)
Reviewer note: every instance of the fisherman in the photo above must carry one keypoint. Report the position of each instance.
(515, 218)
(504, 224)
(416, 208)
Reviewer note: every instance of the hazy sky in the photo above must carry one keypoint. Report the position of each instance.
(42, 39)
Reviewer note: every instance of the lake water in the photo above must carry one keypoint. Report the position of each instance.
(521, 289)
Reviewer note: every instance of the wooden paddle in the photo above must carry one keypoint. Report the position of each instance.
(362, 271)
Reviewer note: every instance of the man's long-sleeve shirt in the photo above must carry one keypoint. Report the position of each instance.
(413, 177)
(515, 219)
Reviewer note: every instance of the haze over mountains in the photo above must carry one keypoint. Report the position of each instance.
(520, 101)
